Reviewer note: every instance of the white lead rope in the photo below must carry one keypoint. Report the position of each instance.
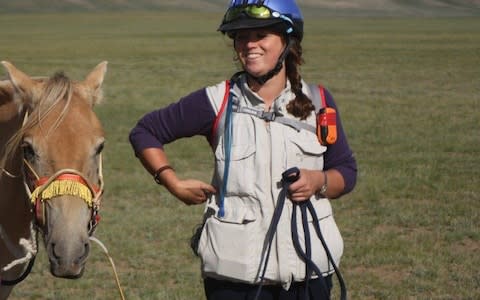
(29, 246)
(98, 242)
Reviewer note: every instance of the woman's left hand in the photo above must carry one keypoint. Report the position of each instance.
(306, 185)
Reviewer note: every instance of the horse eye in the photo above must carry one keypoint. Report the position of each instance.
(28, 151)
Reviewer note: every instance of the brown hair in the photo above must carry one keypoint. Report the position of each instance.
(301, 106)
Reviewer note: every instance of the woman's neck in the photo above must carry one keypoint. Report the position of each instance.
(270, 90)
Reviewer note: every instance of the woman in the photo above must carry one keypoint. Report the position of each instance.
(257, 124)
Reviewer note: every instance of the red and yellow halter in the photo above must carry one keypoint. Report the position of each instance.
(64, 182)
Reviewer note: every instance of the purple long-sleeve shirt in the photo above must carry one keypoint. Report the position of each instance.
(194, 115)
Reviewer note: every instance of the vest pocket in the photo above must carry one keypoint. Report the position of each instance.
(304, 151)
(229, 247)
(241, 176)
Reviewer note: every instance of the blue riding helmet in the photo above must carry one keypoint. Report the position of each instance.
(247, 14)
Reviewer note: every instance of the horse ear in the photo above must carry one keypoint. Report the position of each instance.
(25, 86)
(93, 81)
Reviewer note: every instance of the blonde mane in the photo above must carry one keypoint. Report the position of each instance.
(57, 89)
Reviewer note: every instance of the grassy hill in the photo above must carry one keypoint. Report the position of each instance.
(310, 7)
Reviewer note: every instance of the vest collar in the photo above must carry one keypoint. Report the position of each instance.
(254, 99)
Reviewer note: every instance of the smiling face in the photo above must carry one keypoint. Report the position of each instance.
(258, 49)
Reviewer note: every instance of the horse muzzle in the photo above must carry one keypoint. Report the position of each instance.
(67, 260)
(66, 210)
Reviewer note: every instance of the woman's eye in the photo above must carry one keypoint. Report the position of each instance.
(261, 35)
(240, 38)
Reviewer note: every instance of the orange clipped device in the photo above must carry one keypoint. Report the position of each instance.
(327, 126)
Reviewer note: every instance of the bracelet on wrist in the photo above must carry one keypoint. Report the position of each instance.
(323, 189)
(156, 175)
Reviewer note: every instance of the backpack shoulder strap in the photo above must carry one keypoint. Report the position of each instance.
(219, 123)
(318, 96)
(318, 100)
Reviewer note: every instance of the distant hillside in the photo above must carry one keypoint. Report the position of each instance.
(310, 7)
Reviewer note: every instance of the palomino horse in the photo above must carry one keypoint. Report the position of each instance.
(50, 172)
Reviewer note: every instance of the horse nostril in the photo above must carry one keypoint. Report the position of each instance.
(86, 251)
(87, 248)
(54, 254)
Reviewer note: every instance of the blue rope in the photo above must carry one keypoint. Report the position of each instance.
(227, 146)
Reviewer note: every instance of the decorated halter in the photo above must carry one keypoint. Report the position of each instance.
(65, 182)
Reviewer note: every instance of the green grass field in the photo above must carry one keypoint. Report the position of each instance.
(408, 90)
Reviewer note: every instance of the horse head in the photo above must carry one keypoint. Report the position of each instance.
(61, 141)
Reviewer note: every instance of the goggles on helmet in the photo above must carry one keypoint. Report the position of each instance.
(253, 11)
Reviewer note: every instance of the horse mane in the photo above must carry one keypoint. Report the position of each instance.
(56, 89)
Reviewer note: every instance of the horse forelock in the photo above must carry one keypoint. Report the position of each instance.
(56, 95)
(60, 134)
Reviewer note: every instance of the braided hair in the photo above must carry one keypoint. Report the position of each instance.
(301, 106)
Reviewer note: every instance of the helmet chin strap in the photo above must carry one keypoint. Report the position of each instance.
(264, 78)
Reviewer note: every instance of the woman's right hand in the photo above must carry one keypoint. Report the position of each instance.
(190, 191)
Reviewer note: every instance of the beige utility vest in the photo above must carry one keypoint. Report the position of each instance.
(232, 247)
